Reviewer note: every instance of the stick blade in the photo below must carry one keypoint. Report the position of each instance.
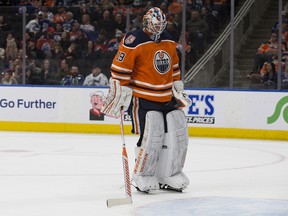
(119, 201)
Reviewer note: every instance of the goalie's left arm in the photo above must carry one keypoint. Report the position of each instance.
(180, 94)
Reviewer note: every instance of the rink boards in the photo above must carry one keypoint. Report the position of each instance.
(214, 113)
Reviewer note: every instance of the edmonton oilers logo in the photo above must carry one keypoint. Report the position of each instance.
(162, 61)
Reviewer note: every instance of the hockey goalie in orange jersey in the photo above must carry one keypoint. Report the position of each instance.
(147, 67)
(145, 79)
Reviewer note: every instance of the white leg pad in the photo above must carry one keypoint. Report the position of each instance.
(148, 154)
(173, 153)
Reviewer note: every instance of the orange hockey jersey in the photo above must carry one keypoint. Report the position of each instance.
(149, 68)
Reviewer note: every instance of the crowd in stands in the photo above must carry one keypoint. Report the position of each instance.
(72, 42)
(266, 61)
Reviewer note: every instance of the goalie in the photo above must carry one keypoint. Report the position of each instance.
(145, 79)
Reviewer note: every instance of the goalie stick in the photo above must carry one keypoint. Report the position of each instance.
(128, 198)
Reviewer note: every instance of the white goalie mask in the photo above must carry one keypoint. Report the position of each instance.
(154, 21)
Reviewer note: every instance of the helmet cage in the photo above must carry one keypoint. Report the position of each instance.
(154, 21)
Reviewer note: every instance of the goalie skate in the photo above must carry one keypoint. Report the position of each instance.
(169, 188)
(145, 191)
(145, 184)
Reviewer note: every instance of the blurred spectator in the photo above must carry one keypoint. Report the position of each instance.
(92, 3)
(11, 47)
(3, 24)
(101, 42)
(119, 23)
(75, 33)
(35, 3)
(20, 54)
(198, 30)
(137, 3)
(50, 3)
(47, 75)
(8, 78)
(29, 5)
(179, 48)
(221, 7)
(57, 51)
(114, 43)
(56, 35)
(72, 52)
(73, 78)
(95, 13)
(68, 21)
(175, 7)
(33, 25)
(65, 40)
(163, 6)
(45, 43)
(96, 78)
(177, 21)
(35, 72)
(120, 8)
(285, 8)
(13, 65)
(28, 77)
(149, 5)
(137, 22)
(81, 10)
(2, 58)
(45, 23)
(87, 28)
(171, 28)
(108, 4)
(257, 77)
(212, 22)
(105, 24)
(27, 36)
(86, 24)
(213, 8)
(275, 28)
(276, 64)
(195, 4)
(265, 53)
(90, 54)
(63, 70)
(59, 17)
(4, 29)
(32, 51)
(285, 75)
(138, 7)
(270, 77)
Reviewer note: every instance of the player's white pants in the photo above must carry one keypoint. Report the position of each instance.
(148, 154)
(173, 153)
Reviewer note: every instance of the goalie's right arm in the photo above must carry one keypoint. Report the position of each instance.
(118, 98)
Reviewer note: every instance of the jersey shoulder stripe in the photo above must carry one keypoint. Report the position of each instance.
(138, 37)
(134, 38)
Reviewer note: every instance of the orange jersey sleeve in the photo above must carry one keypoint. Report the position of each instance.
(147, 67)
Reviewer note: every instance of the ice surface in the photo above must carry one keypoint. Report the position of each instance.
(61, 174)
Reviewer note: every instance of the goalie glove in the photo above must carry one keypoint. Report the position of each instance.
(118, 99)
(180, 94)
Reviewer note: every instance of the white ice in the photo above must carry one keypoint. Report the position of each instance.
(61, 174)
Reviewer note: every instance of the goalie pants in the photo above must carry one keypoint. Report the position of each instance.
(138, 110)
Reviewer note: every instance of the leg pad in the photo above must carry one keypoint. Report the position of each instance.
(173, 153)
(148, 154)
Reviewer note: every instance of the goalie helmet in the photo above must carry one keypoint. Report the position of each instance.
(154, 21)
